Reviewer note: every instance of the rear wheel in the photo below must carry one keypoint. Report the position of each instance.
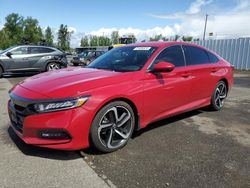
(219, 96)
(53, 66)
(112, 126)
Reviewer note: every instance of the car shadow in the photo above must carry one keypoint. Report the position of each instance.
(36, 151)
(167, 122)
(17, 75)
(155, 125)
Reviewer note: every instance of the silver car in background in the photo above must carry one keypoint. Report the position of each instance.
(29, 58)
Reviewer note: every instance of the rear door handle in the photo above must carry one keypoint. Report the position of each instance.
(186, 74)
(25, 58)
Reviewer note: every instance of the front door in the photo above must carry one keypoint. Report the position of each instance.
(19, 59)
(166, 93)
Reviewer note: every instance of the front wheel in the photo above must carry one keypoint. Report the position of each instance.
(112, 126)
(53, 66)
(219, 96)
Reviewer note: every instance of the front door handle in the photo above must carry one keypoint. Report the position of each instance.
(186, 74)
(25, 58)
(214, 70)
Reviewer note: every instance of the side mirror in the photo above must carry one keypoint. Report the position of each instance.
(163, 67)
(9, 54)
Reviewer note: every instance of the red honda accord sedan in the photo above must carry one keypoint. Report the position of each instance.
(122, 91)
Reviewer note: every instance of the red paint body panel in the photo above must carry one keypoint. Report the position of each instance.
(154, 96)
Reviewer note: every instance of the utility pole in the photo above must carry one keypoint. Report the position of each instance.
(205, 27)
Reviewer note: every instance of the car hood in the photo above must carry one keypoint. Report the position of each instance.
(72, 82)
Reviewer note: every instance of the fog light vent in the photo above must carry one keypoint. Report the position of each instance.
(54, 134)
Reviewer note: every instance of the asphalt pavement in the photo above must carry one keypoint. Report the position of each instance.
(201, 148)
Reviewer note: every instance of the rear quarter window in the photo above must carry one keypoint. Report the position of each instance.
(212, 58)
(195, 55)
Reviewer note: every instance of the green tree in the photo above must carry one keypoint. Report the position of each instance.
(156, 38)
(84, 41)
(115, 37)
(5, 41)
(176, 37)
(187, 38)
(104, 41)
(64, 37)
(13, 29)
(49, 36)
(32, 33)
(133, 38)
(93, 41)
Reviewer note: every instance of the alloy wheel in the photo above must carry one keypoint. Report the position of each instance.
(220, 94)
(53, 66)
(115, 127)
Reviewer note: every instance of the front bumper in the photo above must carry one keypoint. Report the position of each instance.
(75, 122)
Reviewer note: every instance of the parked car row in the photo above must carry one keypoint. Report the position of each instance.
(86, 57)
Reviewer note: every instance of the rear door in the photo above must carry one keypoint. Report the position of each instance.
(201, 69)
(37, 56)
(166, 93)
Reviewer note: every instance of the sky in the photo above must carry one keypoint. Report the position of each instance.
(144, 18)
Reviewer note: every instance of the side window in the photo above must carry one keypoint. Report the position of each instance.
(39, 50)
(195, 55)
(212, 58)
(34, 50)
(46, 50)
(20, 51)
(172, 54)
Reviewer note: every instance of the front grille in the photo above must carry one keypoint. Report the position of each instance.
(16, 116)
(18, 110)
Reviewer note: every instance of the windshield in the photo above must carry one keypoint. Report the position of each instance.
(2, 52)
(124, 59)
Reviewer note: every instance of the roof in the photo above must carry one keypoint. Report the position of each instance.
(161, 44)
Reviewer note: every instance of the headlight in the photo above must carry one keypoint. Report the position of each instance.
(60, 105)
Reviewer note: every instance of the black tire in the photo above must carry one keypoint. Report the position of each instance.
(53, 66)
(107, 134)
(1, 72)
(219, 96)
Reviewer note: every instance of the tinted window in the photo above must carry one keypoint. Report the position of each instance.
(172, 54)
(195, 55)
(46, 50)
(34, 50)
(20, 51)
(39, 50)
(212, 57)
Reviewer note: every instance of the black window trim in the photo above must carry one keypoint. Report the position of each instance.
(149, 69)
